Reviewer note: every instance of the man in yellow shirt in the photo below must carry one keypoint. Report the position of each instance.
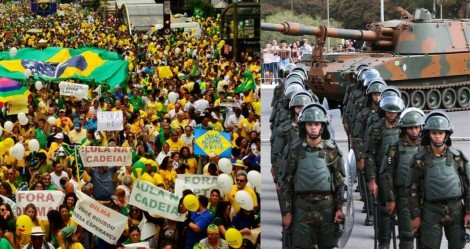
(175, 142)
(246, 125)
(215, 123)
(241, 185)
(179, 121)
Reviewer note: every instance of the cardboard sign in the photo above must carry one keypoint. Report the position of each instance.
(199, 184)
(71, 89)
(110, 121)
(100, 220)
(96, 156)
(212, 141)
(155, 200)
(44, 200)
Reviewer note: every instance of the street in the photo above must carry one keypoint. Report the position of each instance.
(362, 236)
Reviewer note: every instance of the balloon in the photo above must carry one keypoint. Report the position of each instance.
(8, 126)
(233, 237)
(13, 51)
(177, 51)
(22, 118)
(172, 97)
(80, 94)
(38, 85)
(33, 145)
(2, 148)
(138, 169)
(17, 151)
(24, 225)
(225, 165)
(244, 200)
(9, 142)
(27, 73)
(191, 203)
(224, 182)
(51, 120)
(254, 177)
(165, 52)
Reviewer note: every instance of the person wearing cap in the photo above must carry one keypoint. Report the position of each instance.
(200, 220)
(440, 186)
(241, 184)
(69, 240)
(213, 239)
(77, 134)
(64, 121)
(58, 141)
(215, 122)
(37, 240)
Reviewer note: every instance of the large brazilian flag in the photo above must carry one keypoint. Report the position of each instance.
(56, 64)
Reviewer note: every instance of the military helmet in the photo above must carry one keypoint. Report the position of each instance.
(292, 88)
(370, 76)
(390, 91)
(313, 112)
(411, 117)
(438, 120)
(288, 68)
(300, 99)
(300, 71)
(359, 71)
(377, 86)
(370, 72)
(391, 104)
(293, 78)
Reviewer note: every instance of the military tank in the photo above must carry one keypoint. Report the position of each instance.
(427, 59)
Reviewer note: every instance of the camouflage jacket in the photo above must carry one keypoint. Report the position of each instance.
(359, 131)
(334, 161)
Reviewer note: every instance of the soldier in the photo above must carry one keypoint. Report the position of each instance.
(313, 183)
(382, 132)
(346, 100)
(440, 182)
(396, 172)
(373, 93)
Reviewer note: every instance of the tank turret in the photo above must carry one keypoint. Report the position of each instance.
(427, 59)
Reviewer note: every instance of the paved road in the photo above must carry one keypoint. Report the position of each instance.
(362, 236)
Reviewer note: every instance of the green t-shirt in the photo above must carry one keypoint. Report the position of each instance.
(41, 136)
(4, 244)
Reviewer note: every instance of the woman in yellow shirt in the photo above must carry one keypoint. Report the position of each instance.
(189, 160)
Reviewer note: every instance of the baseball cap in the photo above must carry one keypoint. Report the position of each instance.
(62, 110)
(59, 136)
(68, 231)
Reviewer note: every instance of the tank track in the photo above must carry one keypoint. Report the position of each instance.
(456, 96)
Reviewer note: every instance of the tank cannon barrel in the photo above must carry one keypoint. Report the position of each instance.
(296, 29)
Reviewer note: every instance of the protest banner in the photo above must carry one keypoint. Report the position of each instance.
(147, 229)
(44, 200)
(212, 141)
(199, 184)
(11, 203)
(96, 156)
(71, 89)
(155, 200)
(110, 121)
(100, 220)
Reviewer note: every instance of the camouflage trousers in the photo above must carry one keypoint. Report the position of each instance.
(447, 215)
(405, 229)
(313, 224)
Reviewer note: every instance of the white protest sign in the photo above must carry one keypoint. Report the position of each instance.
(11, 203)
(199, 184)
(147, 229)
(98, 219)
(96, 156)
(71, 89)
(155, 200)
(138, 245)
(110, 121)
(44, 200)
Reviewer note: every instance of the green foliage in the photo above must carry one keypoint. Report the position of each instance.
(285, 16)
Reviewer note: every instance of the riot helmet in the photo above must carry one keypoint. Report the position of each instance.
(300, 71)
(359, 71)
(288, 68)
(314, 112)
(411, 117)
(377, 86)
(391, 104)
(293, 78)
(369, 73)
(300, 99)
(294, 87)
(369, 78)
(437, 120)
(390, 91)
(278, 93)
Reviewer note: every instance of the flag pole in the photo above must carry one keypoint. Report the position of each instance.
(78, 168)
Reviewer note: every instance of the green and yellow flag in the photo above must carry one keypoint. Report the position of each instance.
(56, 64)
(247, 84)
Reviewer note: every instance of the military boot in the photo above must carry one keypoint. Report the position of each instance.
(369, 221)
(384, 246)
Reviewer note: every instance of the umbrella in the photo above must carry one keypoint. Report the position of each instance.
(12, 91)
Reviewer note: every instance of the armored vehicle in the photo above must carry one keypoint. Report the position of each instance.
(427, 59)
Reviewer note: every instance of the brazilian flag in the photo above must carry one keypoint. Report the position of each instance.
(248, 83)
(57, 64)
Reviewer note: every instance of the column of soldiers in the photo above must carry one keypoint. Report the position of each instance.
(411, 170)
(307, 166)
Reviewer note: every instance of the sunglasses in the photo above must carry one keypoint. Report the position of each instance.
(134, 210)
(240, 180)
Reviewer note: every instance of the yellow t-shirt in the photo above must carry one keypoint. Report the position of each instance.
(230, 197)
(175, 146)
(245, 128)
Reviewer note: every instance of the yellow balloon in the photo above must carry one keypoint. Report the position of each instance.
(9, 142)
(234, 238)
(191, 202)
(24, 225)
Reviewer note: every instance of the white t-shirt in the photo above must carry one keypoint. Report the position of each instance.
(55, 179)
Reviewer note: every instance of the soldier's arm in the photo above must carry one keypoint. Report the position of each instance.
(338, 177)
(358, 137)
(416, 183)
(464, 164)
(389, 167)
(372, 145)
(287, 187)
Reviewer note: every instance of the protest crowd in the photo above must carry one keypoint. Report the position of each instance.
(169, 158)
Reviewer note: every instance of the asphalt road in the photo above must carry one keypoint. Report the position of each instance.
(362, 236)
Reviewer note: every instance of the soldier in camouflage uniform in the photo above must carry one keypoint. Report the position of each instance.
(440, 189)
(349, 89)
(381, 133)
(395, 172)
(373, 93)
(313, 183)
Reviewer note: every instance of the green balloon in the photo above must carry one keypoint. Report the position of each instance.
(138, 165)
